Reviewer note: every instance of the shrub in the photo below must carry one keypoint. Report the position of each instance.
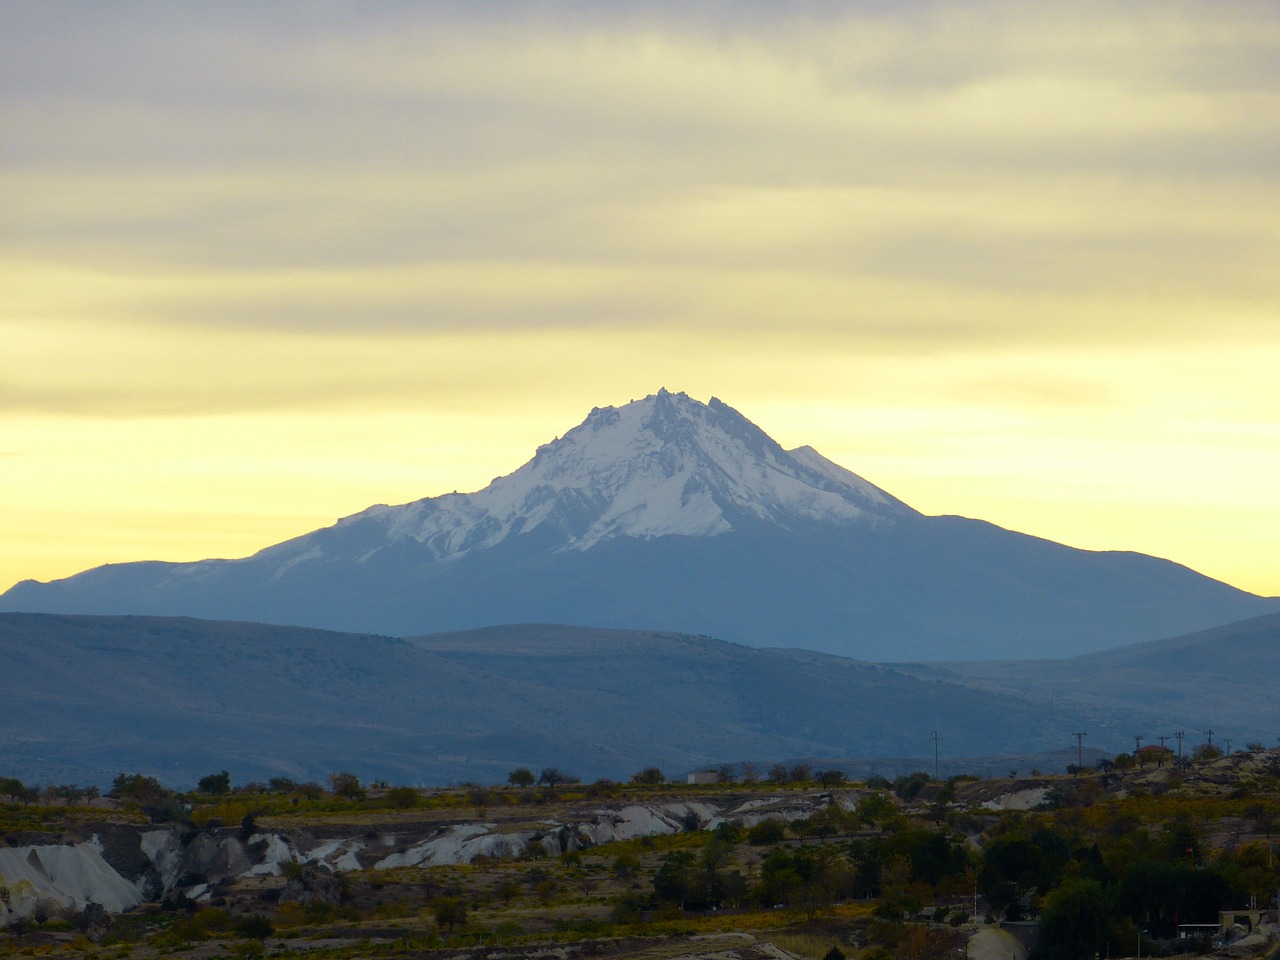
(401, 798)
(255, 927)
(766, 832)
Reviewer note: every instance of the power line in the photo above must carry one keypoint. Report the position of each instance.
(1080, 748)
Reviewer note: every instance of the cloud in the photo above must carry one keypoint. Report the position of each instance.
(974, 230)
(641, 168)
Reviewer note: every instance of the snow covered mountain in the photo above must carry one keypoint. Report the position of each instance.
(662, 466)
(668, 513)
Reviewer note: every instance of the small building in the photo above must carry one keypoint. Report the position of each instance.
(1246, 920)
(700, 777)
(1196, 931)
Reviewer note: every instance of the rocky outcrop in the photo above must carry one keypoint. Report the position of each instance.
(138, 864)
(313, 883)
(64, 877)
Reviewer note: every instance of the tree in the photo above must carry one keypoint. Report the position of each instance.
(215, 784)
(1074, 921)
(15, 789)
(725, 773)
(801, 773)
(450, 912)
(874, 808)
(750, 771)
(649, 776)
(521, 777)
(554, 776)
(830, 778)
(1012, 867)
(780, 773)
(675, 879)
(347, 786)
(138, 788)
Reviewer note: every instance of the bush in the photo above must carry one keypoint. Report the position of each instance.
(255, 927)
(766, 832)
(401, 798)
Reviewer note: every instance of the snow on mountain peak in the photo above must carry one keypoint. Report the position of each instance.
(663, 465)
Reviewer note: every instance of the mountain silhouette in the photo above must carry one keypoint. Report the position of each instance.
(671, 514)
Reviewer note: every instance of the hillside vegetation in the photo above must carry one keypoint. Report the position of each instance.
(912, 869)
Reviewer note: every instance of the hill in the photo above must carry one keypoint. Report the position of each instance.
(88, 697)
(1220, 679)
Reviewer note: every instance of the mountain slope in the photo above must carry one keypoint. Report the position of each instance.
(88, 697)
(1223, 678)
(671, 514)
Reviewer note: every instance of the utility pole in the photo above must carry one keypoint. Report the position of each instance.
(1228, 746)
(1137, 744)
(1209, 734)
(1160, 759)
(1079, 748)
(1179, 735)
(936, 740)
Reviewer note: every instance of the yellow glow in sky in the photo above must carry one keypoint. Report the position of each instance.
(263, 266)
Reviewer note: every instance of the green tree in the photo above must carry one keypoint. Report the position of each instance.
(1074, 921)
(676, 877)
(346, 785)
(521, 777)
(17, 790)
(649, 776)
(1012, 867)
(215, 784)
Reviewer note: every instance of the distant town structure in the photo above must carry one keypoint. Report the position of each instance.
(700, 777)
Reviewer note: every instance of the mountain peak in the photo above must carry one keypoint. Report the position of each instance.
(662, 465)
(668, 513)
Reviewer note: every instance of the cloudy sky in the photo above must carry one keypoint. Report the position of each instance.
(263, 265)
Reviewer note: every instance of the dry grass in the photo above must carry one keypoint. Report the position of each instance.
(806, 945)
